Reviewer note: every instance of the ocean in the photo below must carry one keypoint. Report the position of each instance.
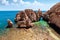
(4, 16)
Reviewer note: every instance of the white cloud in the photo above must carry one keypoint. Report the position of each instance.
(24, 5)
(5, 2)
(22, 2)
(38, 3)
(35, 5)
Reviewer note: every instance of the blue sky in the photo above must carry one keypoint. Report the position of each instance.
(27, 4)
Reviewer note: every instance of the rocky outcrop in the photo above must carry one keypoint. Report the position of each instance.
(55, 8)
(10, 24)
(27, 17)
(31, 14)
(52, 16)
(21, 16)
(23, 20)
(39, 14)
(17, 18)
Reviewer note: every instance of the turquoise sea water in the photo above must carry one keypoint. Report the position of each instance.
(4, 15)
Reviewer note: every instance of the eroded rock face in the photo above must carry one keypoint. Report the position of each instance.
(55, 8)
(23, 20)
(38, 14)
(17, 18)
(31, 14)
(21, 16)
(52, 16)
(10, 24)
(26, 17)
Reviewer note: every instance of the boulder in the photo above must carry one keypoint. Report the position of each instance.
(21, 16)
(29, 23)
(31, 14)
(10, 24)
(25, 24)
(52, 16)
(23, 21)
(26, 17)
(17, 18)
(39, 14)
(55, 8)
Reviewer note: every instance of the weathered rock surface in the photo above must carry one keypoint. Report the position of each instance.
(56, 7)
(10, 24)
(23, 20)
(39, 14)
(53, 15)
(31, 14)
(21, 16)
(26, 17)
